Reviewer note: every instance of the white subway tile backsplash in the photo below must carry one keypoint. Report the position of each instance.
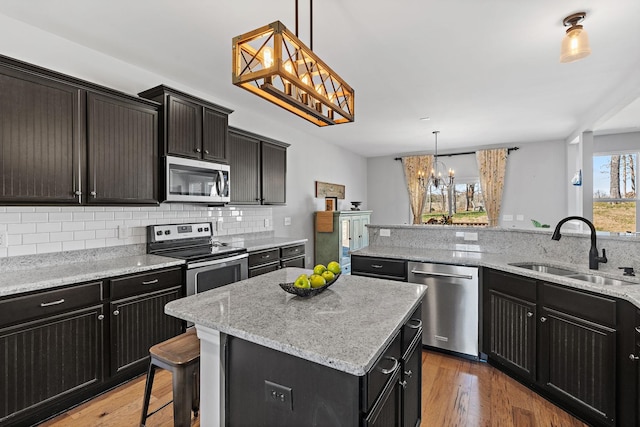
(61, 216)
(48, 227)
(43, 248)
(43, 229)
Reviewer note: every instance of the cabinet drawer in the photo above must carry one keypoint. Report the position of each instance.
(145, 282)
(510, 284)
(18, 309)
(384, 368)
(291, 251)
(379, 267)
(263, 269)
(293, 262)
(411, 328)
(580, 304)
(263, 257)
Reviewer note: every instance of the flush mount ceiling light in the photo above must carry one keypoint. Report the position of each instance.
(575, 44)
(274, 64)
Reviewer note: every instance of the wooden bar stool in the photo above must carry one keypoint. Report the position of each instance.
(181, 356)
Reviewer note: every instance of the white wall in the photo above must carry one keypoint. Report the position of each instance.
(535, 185)
(308, 159)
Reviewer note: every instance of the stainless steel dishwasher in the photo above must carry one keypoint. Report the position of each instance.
(450, 306)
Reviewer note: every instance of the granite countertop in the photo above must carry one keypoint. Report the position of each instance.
(34, 279)
(253, 245)
(503, 262)
(345, 327)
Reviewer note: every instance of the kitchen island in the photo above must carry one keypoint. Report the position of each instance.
(342, 332)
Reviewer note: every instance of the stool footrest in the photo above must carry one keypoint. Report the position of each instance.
(160, 408)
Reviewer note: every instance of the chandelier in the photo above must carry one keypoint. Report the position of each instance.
(274, 64)
(436, 180)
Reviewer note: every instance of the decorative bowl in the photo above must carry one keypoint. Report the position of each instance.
(309, 292)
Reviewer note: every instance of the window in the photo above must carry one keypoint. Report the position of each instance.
(467, 207)
(615, 199)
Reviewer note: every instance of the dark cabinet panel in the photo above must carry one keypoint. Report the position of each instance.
(511, 333)
(274, 174)
(49, 358)
(245, 169)
(40, 139)
(387, 410)
(411, 376)
(184, 128)
(215, 145)
(577, 363)
(139, 322)
(122, 151)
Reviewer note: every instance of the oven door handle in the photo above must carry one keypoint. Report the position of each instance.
(217, 261)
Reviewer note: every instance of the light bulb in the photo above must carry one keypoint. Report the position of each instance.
(288, 67)
(267, 56)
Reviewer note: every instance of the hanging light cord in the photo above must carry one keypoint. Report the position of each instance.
(310, 23)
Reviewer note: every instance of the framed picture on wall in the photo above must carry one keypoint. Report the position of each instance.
(330, 203)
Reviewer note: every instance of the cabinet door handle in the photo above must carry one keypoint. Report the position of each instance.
(393, 368)
(150, 282)
(543, 319)
(197, 150)
(265, 256)
(48, 304)
(408, 373)
(78, 193)
(116, 312)
(206, 151)
(416, 325)
(93, 194)
(376, 266)
(638, 329)
(633, 357)
(529, 314)
(101, 317)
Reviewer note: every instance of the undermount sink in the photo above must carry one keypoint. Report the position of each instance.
(545, 269)
(599, 280)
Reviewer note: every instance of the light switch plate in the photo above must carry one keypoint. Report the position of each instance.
(519, 217)
(287, 220)
(471, 237)
(507, 217)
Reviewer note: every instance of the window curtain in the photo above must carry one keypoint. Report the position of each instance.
(413, 166)
(492, 165)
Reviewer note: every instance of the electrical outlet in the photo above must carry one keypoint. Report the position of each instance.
(279, 395)
(4, 239)
(287, 220)
(267, 222)
(519, 217)
(507, 217)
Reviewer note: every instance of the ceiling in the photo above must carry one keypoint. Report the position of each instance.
(486, 72)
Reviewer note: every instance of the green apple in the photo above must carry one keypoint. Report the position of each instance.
(328, 276)
(334, 267)
(319, 269)
(317, 281)
(302, 282)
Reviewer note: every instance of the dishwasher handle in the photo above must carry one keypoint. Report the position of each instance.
(434, 273)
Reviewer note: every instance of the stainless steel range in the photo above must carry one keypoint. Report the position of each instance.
(209, 264)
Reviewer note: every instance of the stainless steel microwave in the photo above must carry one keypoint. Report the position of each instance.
(195, 181)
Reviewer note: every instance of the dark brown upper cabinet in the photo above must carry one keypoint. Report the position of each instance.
(121, 151)
(191, 127)
(258, 169)
(64, 141)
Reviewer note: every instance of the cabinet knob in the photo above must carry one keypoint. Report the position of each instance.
(78, 193)
(93, 194)
(529, 314)
(633, 357)
(403, 384)
(543, 319)
(197, 150)
(206, 151)
(408, 373)
(116, 312)
(101, 317)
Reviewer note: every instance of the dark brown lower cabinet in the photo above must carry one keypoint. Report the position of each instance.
(559, 341)
(47, 359)
(62, 346)
(137, 323)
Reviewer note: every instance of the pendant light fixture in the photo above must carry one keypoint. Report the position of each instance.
(436, 180)
(575, 44)
(274, 64)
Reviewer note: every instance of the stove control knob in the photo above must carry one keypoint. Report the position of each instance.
(206, 229)
(159, 233)
(167, 232)
(200, 230)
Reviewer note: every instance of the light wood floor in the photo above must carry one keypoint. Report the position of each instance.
(455, 393)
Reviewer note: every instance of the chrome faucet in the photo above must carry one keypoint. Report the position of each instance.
(594, 258)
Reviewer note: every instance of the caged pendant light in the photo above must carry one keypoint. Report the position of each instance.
(274, 64)
(575, 44)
